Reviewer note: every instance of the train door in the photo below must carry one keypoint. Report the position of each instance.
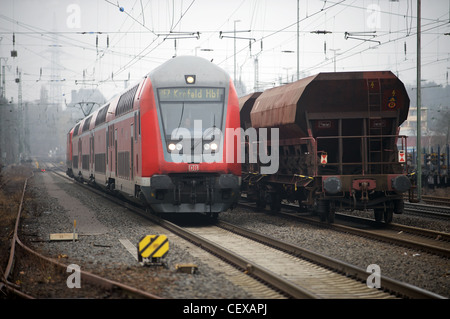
(115, 147)
(109, 147)
(91, 153)
(131, 151)
(106, 148)
(80, 153)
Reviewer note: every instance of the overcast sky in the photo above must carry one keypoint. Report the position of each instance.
(61, 37)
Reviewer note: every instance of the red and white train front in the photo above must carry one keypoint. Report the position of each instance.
(164, 140)
(187, 105)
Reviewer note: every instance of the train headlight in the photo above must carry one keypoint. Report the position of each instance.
(190, 79)
(172, 147)
(206, 147)
(179, 146)
(213, 146)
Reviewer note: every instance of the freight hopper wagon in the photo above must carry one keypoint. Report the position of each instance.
(338, 144)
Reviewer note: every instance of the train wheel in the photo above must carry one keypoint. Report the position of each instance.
(331, 213)
(378, 214)
(213, 216)
(261, 201)
(399, 206)
(388, 215)
(275, 202)
(323, 209)
(302, 208)
(261, 204)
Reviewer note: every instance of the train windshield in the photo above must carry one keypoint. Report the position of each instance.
(196, 109)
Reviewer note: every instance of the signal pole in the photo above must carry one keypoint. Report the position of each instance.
(235, 21)
(419, 133)
(298, 40)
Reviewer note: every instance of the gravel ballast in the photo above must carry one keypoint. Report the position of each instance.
(101, 224)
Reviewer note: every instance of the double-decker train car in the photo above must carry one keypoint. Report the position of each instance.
(161, 141)
(339, 143)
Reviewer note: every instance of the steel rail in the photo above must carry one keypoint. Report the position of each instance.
(399, 227)
(94, 279)
(440, 251)
(262, 273)
(428, 210)
(292, 290)
(434, 249)
(272, 279)
(387, 284)
(8, 268)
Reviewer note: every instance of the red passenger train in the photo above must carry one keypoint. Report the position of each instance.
(162, 141)
(339, 145)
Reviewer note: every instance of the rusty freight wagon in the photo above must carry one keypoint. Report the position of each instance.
(339, 145)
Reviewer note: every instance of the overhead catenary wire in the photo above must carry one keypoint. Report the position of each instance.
(119, 56)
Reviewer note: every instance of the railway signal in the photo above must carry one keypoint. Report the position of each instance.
(401, 156)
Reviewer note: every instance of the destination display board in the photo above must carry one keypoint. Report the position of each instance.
(190, 94)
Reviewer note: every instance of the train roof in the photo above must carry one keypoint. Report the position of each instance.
(332, 95)
(173, 72)
(245, 106)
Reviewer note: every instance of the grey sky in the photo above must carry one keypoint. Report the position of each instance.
(138, 40)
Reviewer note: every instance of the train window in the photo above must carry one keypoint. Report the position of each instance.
(75, 131)
(194, 109)
(192, 116)
(101, 117)
(126, 101)
(87, 123)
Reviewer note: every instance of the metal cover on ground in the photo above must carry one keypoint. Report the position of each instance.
(153, 246)
(64, 236)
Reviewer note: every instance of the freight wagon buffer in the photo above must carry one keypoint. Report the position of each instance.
(339, 143)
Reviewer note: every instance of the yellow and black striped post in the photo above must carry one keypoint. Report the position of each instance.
(153, 248)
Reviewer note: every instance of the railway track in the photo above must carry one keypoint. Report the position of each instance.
(428, 210)
(420, 239)
(291, 270)
(436, 200)
(119, 290)
(321, 276)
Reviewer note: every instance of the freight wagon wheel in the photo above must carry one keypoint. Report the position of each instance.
(331, 213)
(213, 216)
(260, 203)
(275, 202)
(388, 215)
(381, 214)
(323, 209)
(378, 212)
(261, 200)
